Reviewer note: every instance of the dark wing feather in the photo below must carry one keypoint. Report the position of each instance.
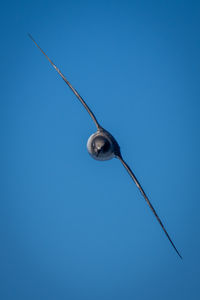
(68, 83)
(147, 200)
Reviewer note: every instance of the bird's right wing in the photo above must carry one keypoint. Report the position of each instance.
(147, 200)
(69, 84)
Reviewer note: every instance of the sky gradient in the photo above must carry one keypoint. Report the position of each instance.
(75, 228)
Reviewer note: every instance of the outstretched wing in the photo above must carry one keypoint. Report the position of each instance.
(68, 83)
(147, 200)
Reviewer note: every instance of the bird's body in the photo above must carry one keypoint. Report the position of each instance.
(102, 145)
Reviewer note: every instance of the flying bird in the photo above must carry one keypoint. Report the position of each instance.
(101, 145)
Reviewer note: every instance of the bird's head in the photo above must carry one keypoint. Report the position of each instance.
(101, 146)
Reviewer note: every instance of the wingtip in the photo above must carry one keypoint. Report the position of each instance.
(175, 248)
(30, 36)
(180, 256)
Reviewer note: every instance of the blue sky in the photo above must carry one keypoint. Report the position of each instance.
(75, 228)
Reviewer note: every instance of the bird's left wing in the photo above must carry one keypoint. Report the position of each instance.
(147, 200)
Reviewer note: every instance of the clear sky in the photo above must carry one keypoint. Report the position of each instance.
(75, 228)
